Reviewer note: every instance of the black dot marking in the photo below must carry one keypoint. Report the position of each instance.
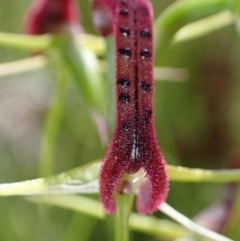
(126, 126)
(146, 86)
(146, 33)
(145, 120)
(125, 31)
(124, 12)
(149, 112)
(145, 53)
(125, 98)
(123, 82)
(126, 52)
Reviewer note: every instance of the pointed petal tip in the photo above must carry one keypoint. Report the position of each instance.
(109, 179)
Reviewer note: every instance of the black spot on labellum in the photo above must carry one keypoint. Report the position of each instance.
(124, 12)
(145, 53)
(146, 86)
(146, 33)
(126, 52)
(125, 98)
(123, 82)
(125, 31)
(149, 112)
(126, 126)
(145, 120)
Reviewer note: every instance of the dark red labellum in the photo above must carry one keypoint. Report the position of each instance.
(134, 145)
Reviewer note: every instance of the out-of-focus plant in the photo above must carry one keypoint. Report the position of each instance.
(57, 38)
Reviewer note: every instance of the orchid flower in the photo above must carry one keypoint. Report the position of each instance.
(52, 16)
(134, 145)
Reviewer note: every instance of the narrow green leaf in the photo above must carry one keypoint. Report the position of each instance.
(86, 175)
(52, 123)
(23, 66)
(110, 58)
(204, 26)
(147, 224)
(84, 67)
(186, 222)
(157, 227)
(84, 179)
(182, 12)
(184, 174)
(37, 43)
(27, 42)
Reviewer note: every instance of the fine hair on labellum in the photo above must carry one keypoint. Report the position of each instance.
(134, 145)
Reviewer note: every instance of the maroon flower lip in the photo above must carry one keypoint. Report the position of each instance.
(134, 145)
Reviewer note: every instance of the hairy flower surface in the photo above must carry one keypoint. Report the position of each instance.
(134, 145)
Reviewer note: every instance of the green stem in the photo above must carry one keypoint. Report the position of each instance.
(186, 222)
(51, 126)
(89, 173)
(124, 207)
(84, 174)
(184, 174)
(27, 42)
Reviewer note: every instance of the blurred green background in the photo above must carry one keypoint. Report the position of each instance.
(197, 124)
